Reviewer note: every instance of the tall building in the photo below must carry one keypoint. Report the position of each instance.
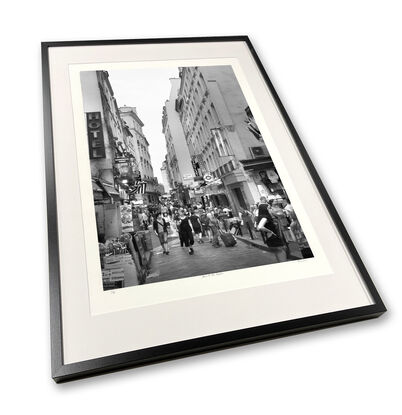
(178, 159)
(141, 148)
(221, 138)
(110, 145)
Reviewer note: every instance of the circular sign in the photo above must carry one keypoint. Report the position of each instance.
(208, 177)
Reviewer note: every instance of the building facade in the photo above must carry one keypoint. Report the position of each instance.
(111, 152)
(178, 165)
(166, 180)
(141, 149)
(224, 145)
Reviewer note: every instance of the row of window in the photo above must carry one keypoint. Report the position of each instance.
(114, 122)
(210, 143)
(193, 92)
(143, 149)
(189, 78)
(200, 121)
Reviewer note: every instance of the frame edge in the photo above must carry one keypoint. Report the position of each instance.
(56, 342)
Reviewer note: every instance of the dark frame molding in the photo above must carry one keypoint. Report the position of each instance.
(64, 372)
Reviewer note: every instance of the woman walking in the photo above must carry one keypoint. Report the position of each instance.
(186, 232)
(161, 231)
(266, 225)
(264, 219)
(170, 223)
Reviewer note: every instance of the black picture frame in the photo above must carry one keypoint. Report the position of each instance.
(62, 372)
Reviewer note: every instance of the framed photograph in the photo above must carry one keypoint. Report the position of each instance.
(184, 214)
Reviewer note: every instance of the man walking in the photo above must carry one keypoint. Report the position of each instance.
(161, 231)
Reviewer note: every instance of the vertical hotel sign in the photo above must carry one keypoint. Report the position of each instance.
(96, 142)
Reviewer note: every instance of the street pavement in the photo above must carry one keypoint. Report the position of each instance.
(206, 259)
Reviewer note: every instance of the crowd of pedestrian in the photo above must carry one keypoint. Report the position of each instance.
(276, 221)
(273, 219)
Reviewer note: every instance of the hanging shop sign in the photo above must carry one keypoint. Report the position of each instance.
(215, 182)
(123, 169)
(96, 142)
(208, 177)
(122, 165)
(139, 188)
(121, 160)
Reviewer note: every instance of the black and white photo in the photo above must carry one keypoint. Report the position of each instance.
(183, 182)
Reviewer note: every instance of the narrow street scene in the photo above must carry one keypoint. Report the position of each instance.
(183, 182)
(206, 260)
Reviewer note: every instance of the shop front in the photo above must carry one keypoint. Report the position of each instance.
(263, 173)
(125, 244)
(107, 209)
(240, 190)
(215, 194)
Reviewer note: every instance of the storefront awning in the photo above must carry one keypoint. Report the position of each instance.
(96, 187)
(109, 188)
(260, 163)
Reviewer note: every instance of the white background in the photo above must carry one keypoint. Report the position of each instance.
(337, 67)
